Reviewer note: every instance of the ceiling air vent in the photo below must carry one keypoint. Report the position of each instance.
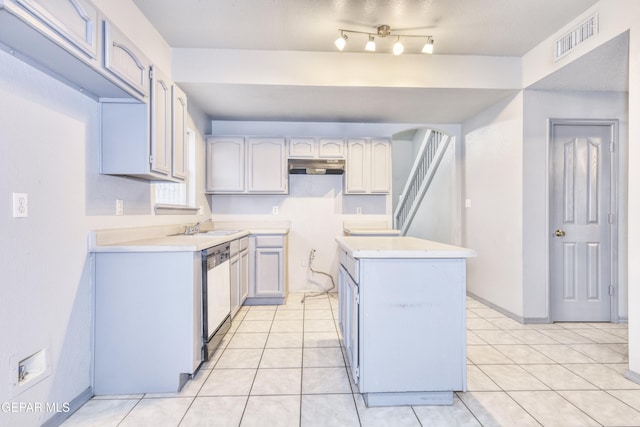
(573, 38)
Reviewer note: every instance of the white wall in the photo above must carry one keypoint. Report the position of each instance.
(539, 107)
(492, 226)
(50, 143)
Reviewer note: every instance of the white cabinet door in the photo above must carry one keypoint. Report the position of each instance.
(357, 172)
(380, 166)
(225, 165)
(331, 148)
(124, 60)
(269, 272)
(160, 123)
(180, 145)
(302, 148)
(368, 167)
(244, 276)
(267, 166)
(75, 20)
(234, 269)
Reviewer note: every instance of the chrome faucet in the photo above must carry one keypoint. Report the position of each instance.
(195, 228)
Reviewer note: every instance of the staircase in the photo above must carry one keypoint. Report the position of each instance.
(433, 146)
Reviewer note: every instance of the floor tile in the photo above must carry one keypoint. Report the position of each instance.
(530, 336)
(260, 315)
(602, 377)
(600, 353)
(158, 412)
(228, 382)
(485, 354)
(263, 308)
(287, 326)
(630, 397)
(496, 337)
(496, 409)
(567, 337)
(561, 353)
(101, 413)
(289, 315)
(325, 380)
(239, 358)
(319, 314)
(454, 415)
(479, 381)
(281, 358)
(254, 326)
(277, 381)
(473, 339)
(319, 325)
(317, 304)
(557, 377)
(475, 323)
(522, 354)
(190, 389)
(321, 339)
(506, 323)
(512, 377)
(284, 340)
(487, 312)
(248, 340)
(396, 416)
(322, 357)
(329, 410)
(272, 411)
(552, 410)
(603, 408)
(600, 336)
(215, 412)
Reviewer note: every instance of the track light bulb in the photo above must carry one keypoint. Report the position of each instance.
(341, 42)
(371, 45)
(428, 47)
(398, 48)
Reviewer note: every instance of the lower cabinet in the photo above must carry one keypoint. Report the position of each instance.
(267, 269)
(239, 267)
(148, 321)
(348, 299)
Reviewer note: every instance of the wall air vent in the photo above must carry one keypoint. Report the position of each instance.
(573, 38)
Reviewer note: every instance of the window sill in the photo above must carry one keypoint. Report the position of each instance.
(175, 210)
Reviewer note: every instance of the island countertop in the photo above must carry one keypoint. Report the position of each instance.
(400, 247)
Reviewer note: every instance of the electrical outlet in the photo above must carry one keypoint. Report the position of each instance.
(358, 210)
(20, 205)
(119, 207)
(467, 203)
(275, 210)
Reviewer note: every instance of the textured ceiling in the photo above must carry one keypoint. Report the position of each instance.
(459, 27)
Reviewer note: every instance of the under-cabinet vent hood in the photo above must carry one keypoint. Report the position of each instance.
(316, 166)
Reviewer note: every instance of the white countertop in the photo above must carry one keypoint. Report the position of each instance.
(159, 242)
(400, 247)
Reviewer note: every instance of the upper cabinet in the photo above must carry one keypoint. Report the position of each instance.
(180, 144)
(75, 20)
(144, 140)
(124, 60)
(254, 166)
(66, 38)
(368, 167)
(316, 148)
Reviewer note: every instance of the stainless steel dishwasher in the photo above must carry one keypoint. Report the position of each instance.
(216, 297)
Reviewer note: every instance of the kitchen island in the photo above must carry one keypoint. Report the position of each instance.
(402, 318)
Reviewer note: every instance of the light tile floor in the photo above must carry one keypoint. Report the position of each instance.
(283, 366)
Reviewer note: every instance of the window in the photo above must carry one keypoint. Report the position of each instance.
(173, 198)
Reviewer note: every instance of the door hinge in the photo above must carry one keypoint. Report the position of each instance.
(356, 374)
(151, 159)
(356, 298)
(611, 218)
(612, 146)
(610, 290)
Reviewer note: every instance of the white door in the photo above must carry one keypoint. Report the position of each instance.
(582, 221)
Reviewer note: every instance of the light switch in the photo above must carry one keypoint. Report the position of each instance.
(467, 203)
(20, 205)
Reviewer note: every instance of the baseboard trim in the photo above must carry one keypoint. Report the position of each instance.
(74, 405)
(520, 319)
(632, 376)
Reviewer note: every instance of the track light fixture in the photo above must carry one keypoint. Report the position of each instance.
(381, 32)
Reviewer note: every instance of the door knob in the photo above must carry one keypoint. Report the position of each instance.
(560, 233)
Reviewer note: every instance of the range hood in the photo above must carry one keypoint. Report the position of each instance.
(316, 167)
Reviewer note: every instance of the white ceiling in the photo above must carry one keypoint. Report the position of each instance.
(459, 27)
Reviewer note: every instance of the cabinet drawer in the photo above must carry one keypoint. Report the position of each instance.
(244, 244)
(269, 241)
(234, 247)
(124, 60)
(352, 264)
